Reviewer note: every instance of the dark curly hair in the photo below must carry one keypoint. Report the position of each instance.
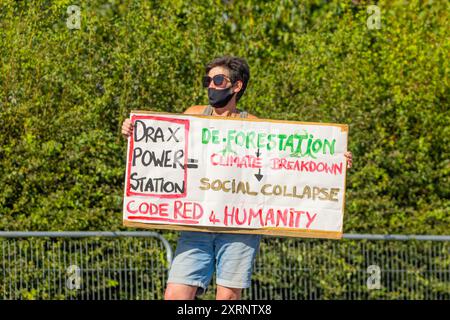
(238, 67)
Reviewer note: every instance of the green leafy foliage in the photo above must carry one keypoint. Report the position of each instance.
(64, 94)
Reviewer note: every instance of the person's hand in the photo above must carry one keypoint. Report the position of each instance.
(127, 128)
(348, 156)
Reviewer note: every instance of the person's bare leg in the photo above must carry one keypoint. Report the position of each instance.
(176, 291)
(224, 293)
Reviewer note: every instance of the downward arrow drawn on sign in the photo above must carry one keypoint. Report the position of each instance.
(259, 175)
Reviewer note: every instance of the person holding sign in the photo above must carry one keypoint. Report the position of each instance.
(199, 254)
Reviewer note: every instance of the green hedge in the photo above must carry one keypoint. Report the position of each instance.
(64, 94)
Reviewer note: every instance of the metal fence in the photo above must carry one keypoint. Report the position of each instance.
(134, 265)
(357, 267)
(83, 265)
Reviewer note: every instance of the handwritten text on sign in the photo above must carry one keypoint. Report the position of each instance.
(254, 176)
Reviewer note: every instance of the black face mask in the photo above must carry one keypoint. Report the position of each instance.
(219, 98)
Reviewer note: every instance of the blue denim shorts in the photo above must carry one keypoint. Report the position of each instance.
(199, 253)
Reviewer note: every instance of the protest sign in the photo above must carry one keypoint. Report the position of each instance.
(234, 175)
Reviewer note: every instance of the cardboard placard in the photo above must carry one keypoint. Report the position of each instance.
(234, 175)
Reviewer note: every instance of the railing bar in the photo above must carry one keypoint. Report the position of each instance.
(59, 268)
(10, 270)
(53, 268)
(366, 253)
(28, 268)
(22, 269)
(104, 273)
(15, 270)
(306, 275)
(116, 272)
(46, 268)
(406, 276)
(4, 270)
(310, 263)
(412, 275)
(141, 266)
(109, 272)
(447, 273)
(78, 234)
(71, 257)
(402, 272)
(95, 271)
(147, 271)
(130, 246)
(44, 265)
(79, 262)
(429, 268)
(90, 254)
(290, 271)
(100, 270)
(142, 270)
(359, 279)
(38, 267)
(65, 268)
(396, 237)
(120, 271)
(114, 268)
(260, 260)
(441, 271)
(433, 255)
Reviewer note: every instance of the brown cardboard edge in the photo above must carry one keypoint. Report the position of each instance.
(303, 233)
(345, 186)
(285, 232)
(344, 127)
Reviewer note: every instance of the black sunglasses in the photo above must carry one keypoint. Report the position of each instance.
(218, 80)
